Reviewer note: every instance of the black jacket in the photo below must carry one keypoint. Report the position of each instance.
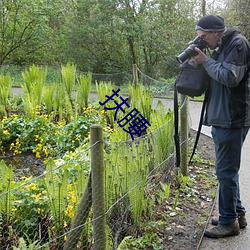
(229, 90)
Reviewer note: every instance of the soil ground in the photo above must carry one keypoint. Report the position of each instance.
(187, 223)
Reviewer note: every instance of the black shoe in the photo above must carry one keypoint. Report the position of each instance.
(221, 231)
(241, 219)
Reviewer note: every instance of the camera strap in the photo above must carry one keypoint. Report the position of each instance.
(176, 126)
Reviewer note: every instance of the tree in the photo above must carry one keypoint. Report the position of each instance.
(21, 21)
(237, 12)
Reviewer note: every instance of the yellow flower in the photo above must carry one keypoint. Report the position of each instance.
(6, 132)
(73, 199)
(69, 211)
(31, 187)
(38, 156)
(37, 196)
(14, 209)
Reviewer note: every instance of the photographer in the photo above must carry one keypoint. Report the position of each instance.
(228, 112)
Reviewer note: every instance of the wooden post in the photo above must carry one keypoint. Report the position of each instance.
(135, 74)
(98, 195)
(184, 135)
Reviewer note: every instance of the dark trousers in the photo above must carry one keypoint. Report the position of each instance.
(228, 145)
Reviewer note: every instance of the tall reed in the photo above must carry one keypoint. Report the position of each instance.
(68, 74)
(48, 97)
(33, 86)
(141, 99)
(162, 126)
(104, 89)
(5, 90)
(126, 172)
(62, 106)
(83, 91)
(56, 184)
(6, 184)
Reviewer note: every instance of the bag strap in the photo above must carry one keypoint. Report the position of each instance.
(199, 127)
(176, 126)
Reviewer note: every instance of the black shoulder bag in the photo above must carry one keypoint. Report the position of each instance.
(191, 81)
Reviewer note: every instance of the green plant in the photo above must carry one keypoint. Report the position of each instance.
(141, 99)
(30, 207)
(162, 126)
(104, 89)
(43, 137)
(68, 74)
(83, 91)
(6, 196)
(28, 244)
(176, 199)
(164, 191)
(48, 98)
(126, 172)
(147, 241)
(56, 187)
(5, 90)
(184, 181)
(34, 81)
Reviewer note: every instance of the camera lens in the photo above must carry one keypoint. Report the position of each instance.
(187, 53)
(190, 51)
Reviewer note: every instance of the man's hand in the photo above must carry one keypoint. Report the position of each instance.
(200, 58)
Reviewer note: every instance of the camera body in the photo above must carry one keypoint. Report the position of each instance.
(190, 51)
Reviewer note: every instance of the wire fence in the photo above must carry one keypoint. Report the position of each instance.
(55, 210)
(42, 209)
(160, 87)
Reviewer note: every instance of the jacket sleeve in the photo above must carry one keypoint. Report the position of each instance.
(234, 66)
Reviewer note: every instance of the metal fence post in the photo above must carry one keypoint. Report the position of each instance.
(98, 195)
(184, 135)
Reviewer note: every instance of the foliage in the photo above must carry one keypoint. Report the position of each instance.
(104, 90)
(22, 245)
(139, 92)
(83, 91)
(23, 28)
(106, 36)
(147, 241)
(162, 139)
(5, 90)
(6, 184)
(51, 200)
(45, 138)
(30, 204)
(46, 205)
(68, 74)
(34, 81)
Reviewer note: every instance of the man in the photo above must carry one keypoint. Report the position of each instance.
(228, 112)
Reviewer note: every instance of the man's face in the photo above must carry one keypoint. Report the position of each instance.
(211, 38)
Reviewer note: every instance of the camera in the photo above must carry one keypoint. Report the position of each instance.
(190, 51)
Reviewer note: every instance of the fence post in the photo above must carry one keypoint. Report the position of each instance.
(184, 135)
(135, 74)
(98, 195)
